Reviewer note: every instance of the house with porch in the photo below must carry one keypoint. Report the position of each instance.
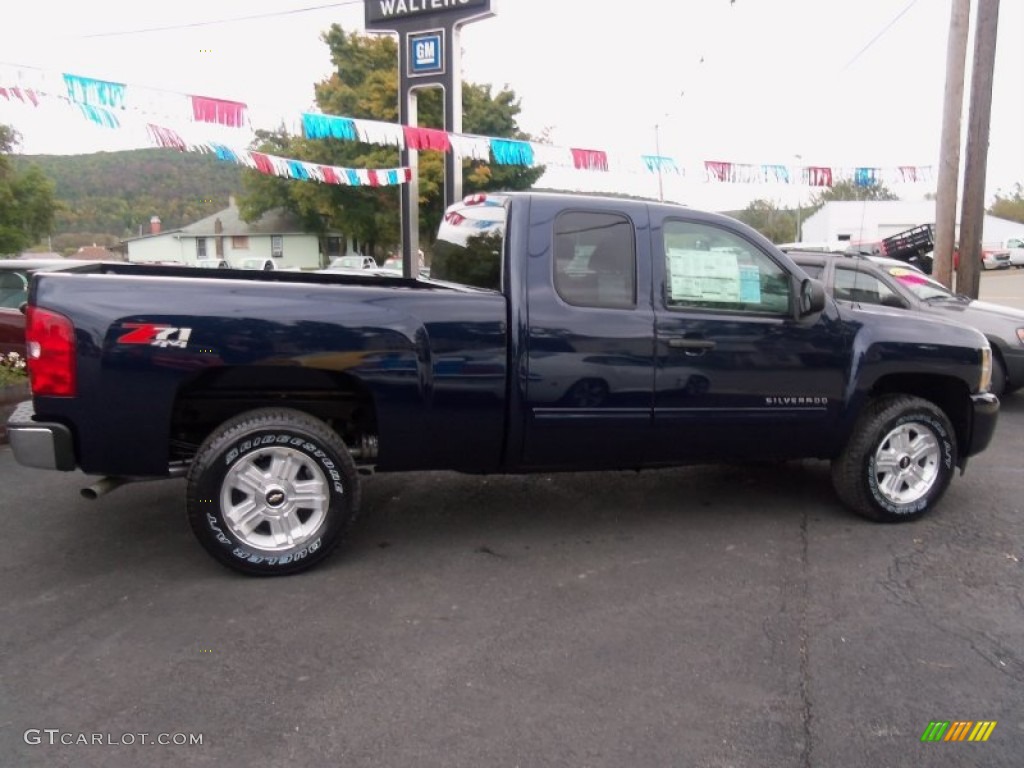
(278, 235)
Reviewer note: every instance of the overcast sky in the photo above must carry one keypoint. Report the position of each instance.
(835, 83)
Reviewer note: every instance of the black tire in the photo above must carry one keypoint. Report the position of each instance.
(998, 385)
(244, 487)
(902, 494)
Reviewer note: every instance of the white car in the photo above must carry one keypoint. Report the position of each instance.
(1015, 245)
(267, 265)
(353, 262)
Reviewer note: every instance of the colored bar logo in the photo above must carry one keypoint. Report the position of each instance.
(958, 730)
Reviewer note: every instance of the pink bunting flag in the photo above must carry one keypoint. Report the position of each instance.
(263, 164)
(589, 159)
(717, 170)
(207, 110)
(426, 138)
(165, 137)
(818, 176)
(909, 173)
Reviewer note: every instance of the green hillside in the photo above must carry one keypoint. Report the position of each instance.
(110, 195)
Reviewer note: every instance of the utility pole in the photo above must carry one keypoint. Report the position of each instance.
(949, 153)
(800, 200)
(972, 216)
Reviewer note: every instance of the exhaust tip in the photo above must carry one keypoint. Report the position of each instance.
(103, 486)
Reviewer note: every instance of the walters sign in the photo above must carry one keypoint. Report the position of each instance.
(379, 13)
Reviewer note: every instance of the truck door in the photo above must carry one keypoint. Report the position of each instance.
(590, 347)
(738, 374)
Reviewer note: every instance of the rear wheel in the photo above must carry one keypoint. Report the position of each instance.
(271, 492)
(898, 461)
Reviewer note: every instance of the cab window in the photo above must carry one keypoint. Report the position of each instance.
(707, 267)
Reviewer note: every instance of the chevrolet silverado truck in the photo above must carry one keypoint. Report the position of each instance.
(557, 333)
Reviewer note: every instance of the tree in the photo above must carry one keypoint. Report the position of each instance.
(1010, 205)
(27, 205)
(365, 86)
(9, 139)
(848, 190)
(777, 225)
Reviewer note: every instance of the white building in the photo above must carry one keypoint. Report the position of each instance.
(868, 221)
(277, 235)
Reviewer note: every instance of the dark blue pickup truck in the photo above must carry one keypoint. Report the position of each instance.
(557, 332)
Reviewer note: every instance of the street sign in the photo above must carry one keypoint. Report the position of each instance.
(428, 59)
(384, 14)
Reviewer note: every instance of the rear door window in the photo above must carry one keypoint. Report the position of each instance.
(595, 260)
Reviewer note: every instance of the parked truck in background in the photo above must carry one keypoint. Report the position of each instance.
(557, 333)
(1014, 247)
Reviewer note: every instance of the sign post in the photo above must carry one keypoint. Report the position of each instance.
(428, 57)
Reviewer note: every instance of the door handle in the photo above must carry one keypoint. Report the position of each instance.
(691, 344)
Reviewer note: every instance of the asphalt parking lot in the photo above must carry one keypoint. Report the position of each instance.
(720, 616)
(706, 616)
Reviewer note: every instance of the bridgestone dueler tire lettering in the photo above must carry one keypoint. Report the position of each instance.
(242, 437)
(854, 472)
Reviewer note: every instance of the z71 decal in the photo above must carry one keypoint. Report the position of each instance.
(156, 335)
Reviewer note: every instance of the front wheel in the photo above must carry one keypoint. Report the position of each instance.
(998, 385)
(898, 461)
(271, 492)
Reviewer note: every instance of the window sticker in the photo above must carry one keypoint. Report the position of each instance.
(717, 276)
(750, 284)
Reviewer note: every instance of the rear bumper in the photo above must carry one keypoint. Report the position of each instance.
(984, 415)
(39, 444)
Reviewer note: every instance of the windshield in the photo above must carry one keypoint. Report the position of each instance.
(920, 284)
(470, 242)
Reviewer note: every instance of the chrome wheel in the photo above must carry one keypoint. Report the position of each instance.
(274, 499)
(907, 463)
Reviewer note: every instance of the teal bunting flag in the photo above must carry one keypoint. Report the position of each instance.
(297, 170)
(328, 127)
(100, 116)
(86, 90)
(509, 152)
(657, 163)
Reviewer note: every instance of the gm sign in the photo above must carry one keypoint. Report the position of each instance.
(426, 53)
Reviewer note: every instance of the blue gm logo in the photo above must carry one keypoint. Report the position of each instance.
(426, 53)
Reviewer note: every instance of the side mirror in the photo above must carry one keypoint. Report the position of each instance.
(891, 300)
(23, 307)
(812, 297)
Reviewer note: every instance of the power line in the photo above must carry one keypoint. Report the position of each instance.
(877, 37)
(195, 24)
